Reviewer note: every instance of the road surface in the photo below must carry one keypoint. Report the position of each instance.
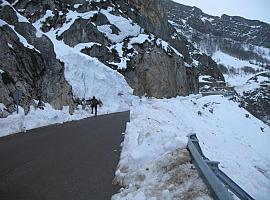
(75, 161)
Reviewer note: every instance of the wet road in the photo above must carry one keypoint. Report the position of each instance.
(75, 161)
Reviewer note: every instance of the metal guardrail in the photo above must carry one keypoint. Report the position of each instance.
(217, 180)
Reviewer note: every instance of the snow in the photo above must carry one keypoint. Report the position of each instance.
(262, 51)
(4, 3)
(77, 5)
(242, 82)
(225, 132)
(126, 27)
(1, 71)
(165, 45)
(21, 18)
(39, 22)
(210, 19)
(2, 23)
(89, 77)
(71, 17)
(140, 39)
(156, 137)
(2, 106)
(81, 46)
(10, 46)
(202, 77)
(230, 61)
(37, 118)
(253, 84)
(123, 60)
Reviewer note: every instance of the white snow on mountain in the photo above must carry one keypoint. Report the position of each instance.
(253, 83)
(81, 46)
(237, 77)
(230, 61)
(126, 26)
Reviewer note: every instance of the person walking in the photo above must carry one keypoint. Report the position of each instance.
(94, 104)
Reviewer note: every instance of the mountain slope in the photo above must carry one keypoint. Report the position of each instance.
(239, 46)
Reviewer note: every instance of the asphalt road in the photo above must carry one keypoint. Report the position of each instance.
(73, 161)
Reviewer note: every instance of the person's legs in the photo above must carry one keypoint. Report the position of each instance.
(92, 109)
(95, 110)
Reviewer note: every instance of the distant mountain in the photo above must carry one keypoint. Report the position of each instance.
(239, 46)
(239, 37)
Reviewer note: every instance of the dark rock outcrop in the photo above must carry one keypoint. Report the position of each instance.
(32, 69)
(159, 75)
(153, 18)
(81, 31)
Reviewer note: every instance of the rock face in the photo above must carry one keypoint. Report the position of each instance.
(29, 63)
(150, 15)
(157, 74)
(152, 67)
(166, 75)
(82, 31)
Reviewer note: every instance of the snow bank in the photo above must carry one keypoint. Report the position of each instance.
(227, 133)
(37, 118)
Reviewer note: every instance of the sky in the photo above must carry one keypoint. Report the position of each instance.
(250, 9)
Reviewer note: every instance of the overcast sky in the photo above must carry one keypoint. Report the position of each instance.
(251, 9)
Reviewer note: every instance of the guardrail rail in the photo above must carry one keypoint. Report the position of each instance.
(217, 181)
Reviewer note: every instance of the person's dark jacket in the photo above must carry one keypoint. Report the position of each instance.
(94, 102)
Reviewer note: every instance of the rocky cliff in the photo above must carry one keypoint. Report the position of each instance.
(28, 63)
(130, 36)
(114, 49)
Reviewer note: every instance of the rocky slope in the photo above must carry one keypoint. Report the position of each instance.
(239, 37)
(130, 36)
(28, 63)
